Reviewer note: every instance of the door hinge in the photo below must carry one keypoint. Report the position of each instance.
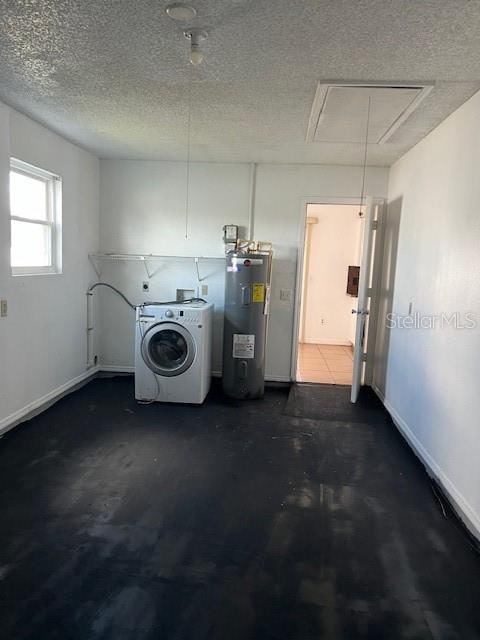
(374, 225)
(364, 357)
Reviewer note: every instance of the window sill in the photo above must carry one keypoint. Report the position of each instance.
(36, 271)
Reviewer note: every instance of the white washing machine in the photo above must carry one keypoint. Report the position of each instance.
(173, 352)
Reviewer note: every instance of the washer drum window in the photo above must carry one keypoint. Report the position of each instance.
(168, 349)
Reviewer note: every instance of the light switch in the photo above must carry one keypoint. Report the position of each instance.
(3, 308)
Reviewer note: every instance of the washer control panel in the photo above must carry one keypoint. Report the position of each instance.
(189, 317)
(153, 314)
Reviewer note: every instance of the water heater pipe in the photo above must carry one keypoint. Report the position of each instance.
(251, 212)
(90, 322)
(90, 327)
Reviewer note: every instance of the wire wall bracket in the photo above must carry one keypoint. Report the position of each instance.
(148, 260)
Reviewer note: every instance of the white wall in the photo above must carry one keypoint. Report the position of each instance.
(334, 245)
(43, 338)
(142, 207)
(430, 377)
(143, 211)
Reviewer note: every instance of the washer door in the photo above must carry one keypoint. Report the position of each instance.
(168, 349)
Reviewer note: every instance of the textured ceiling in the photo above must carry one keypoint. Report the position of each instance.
(113, 75)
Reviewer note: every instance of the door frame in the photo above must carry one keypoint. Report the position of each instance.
(340, 200)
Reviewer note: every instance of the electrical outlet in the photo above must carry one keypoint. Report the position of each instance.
(3, 308)
(204, 290)
(145, 286)
(286, 295)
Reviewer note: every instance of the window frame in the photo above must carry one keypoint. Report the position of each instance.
(53, 220)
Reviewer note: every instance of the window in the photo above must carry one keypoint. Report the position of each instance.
(35, 215)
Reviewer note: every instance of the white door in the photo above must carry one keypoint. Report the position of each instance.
(366, 305)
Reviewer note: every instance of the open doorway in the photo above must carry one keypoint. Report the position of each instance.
(331, 259)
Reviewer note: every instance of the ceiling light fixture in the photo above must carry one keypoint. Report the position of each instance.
(180, 11)
(195, 36)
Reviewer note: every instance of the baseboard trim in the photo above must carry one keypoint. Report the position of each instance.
(332, 341)
(461, 506)
(278, 379)
(116, 368)
(126, 368)
(37, 406)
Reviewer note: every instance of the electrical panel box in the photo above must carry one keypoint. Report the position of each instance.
(353, 279)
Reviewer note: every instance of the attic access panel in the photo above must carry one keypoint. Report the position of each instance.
(339, 111)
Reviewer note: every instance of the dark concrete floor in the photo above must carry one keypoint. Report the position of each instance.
(225, 522)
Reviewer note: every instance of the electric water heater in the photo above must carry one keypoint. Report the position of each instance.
(247, 292)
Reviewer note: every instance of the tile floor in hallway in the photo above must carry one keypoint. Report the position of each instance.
(325, 363)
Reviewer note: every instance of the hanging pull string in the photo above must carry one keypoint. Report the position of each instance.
(362, 196)
(189, 127)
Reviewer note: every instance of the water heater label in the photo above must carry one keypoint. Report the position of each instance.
(258, 292)
(243, 345)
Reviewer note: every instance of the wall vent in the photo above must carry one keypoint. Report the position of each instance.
(339, 110)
